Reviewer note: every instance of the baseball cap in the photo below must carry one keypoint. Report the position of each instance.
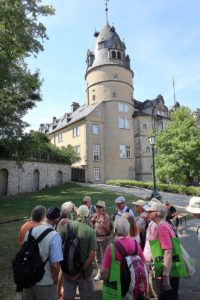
(194, 205)
(120, 199)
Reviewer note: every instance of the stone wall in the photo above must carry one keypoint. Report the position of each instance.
(31, 176)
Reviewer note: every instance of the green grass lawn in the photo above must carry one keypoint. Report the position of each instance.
(20, 206)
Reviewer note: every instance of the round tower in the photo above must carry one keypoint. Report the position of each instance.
(108, 75)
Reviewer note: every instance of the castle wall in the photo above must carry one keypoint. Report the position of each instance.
(31, 176)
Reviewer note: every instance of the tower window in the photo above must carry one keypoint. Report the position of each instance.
(93, 97)
(114, 94)
(114, 54)
(119, 56)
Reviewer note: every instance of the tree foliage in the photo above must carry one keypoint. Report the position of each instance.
(178, 149)
(36, 146)
(21, 35)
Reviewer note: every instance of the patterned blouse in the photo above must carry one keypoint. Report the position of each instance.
(101, 225)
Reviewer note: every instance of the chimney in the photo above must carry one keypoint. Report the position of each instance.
(74, 106)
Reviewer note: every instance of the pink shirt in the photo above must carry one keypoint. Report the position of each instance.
(164, 233)
(128, 244)
(150, 233)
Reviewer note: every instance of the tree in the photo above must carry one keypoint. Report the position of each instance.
(178, 149)
(36, 146)
(21, 35)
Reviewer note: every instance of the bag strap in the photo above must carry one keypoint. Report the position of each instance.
(112, 252)
(122, 250)
(43, 234)
(29, 234)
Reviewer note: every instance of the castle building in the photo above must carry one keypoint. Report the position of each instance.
(110, 132)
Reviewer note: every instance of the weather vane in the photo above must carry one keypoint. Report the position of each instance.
(106, 10)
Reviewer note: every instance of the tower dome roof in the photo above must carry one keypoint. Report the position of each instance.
(107, 41)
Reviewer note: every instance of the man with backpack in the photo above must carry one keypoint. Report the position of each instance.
(50, 251)
(79, 253)
(121, 208)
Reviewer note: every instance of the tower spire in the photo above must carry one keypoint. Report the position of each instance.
(106, 10)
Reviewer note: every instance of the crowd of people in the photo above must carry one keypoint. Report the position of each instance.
(129, 228)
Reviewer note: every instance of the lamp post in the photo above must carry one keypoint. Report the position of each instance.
(154, 194)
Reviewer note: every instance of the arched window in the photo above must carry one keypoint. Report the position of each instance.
(114, 54)
(36, 180)
(119, 56)
(3, 182)
(59, 179)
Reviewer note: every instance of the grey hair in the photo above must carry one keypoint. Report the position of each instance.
(160, 208)
(122, 227)
(38, 213)
(67, 207)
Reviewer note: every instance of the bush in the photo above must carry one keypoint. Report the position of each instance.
(177, 189)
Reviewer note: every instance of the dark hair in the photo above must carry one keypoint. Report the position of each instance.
(38, 213)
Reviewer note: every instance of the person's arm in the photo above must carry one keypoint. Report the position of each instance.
(89, 260)
(105, 273)
(55, 268)
(167, 268)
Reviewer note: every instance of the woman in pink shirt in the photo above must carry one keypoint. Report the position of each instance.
(122, 228)
(167, 287)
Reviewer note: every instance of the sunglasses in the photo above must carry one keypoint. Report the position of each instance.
(84, 202)
(99, 207)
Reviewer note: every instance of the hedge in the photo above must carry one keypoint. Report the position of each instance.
(179, 189)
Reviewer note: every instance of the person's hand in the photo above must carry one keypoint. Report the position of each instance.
(73, 277)
(166, 283)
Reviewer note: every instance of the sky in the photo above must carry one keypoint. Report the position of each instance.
(162, 39)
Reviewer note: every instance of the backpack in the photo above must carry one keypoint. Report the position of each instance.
(116, 212)
(143, 234)
(71, 263)
(134, 275)
(28, 267)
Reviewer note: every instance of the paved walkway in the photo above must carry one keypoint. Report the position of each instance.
(175, 199)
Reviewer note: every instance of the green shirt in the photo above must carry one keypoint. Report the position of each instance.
(87, 239)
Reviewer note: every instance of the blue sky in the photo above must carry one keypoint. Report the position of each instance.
(162, 39)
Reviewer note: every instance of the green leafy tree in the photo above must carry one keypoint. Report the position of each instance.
(178, 149)
(36, 146)
(21, 35)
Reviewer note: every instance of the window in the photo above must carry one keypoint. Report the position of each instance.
(144, 126)
(119, 56)
(122, 107)
(114, 94)
(123, 122)
(96, 173)
(114, 54)
(124, 151)
(98, 112)
(60, 137)
(76, 131)
(95, 128)
(93, 97)
(147, 149)
(77, 149)
(96, 152)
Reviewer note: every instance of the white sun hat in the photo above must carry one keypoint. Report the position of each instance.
(194, 205)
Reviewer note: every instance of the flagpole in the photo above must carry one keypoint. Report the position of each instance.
(174, 91)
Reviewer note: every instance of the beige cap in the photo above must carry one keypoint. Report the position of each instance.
(139, 203)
